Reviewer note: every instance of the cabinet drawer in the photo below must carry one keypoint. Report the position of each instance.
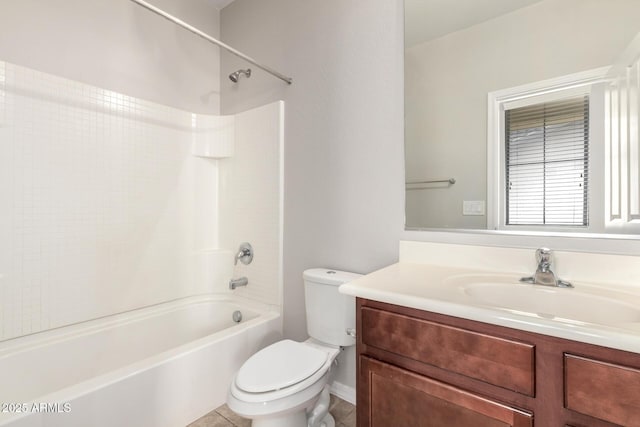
(501, 362)
(602, 390)
(397, 397)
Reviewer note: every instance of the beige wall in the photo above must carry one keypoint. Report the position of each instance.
(343, 144)
(117, 45)
(447, 81)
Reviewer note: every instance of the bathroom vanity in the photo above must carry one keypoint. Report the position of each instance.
(418, 368)
(429, 354)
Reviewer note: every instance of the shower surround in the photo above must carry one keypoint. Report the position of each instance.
(111, 203)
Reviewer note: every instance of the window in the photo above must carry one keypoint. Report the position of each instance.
(547, 163)
(546, 155)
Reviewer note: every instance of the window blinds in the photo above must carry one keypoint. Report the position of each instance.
(547, 163)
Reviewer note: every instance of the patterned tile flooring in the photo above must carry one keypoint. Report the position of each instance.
(343, 412)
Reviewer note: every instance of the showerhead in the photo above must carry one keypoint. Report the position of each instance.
(236, 74)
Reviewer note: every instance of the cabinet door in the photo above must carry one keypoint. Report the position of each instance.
(391, 396)
(602, 390)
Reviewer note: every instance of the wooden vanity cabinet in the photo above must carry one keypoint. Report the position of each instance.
(422, 369)
(399, 397)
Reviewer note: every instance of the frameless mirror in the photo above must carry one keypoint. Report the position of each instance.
(471, 66)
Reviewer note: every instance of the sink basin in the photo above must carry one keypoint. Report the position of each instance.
(584, 303)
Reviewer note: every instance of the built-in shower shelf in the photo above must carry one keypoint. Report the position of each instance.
(213, 136)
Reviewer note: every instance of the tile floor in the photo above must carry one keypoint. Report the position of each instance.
(343, 412)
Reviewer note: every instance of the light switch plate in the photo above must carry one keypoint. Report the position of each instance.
(473, 207)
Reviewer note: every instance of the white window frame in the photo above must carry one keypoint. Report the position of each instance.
(544, 91)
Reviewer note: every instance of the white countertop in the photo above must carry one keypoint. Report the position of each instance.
(436, 289)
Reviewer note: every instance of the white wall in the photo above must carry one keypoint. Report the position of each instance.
(118, 45)
(448, 79)
(343, 130)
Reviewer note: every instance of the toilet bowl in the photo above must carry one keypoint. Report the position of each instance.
(281, 384)
(287, 383)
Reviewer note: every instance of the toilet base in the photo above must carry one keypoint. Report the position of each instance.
(294, 419)
(328, 421)
(298, 419)
(316, 416)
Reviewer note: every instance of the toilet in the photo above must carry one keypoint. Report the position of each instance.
(287, 383)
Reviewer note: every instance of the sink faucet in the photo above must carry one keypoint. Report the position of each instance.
(543, 275)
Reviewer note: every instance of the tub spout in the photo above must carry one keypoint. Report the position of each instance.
(234, 283)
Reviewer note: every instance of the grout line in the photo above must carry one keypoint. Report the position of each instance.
(230, 422)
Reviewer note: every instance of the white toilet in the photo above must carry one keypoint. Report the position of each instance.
(286, 383)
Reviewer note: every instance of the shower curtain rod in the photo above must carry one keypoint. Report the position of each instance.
(205, 36)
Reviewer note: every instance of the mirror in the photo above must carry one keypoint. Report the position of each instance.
(458, 55)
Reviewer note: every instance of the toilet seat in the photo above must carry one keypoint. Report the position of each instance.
(319, 362)
(279, 366)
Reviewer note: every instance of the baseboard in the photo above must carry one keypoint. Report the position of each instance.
(344, 392)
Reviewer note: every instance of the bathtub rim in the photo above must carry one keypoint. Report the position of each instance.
(62, 333)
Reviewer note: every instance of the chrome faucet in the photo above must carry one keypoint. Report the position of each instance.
(544, 275)
(245, 254)
(235, 283)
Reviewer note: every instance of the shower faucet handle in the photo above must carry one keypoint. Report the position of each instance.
(245, 254)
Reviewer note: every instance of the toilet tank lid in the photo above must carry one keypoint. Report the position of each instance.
(329, 277)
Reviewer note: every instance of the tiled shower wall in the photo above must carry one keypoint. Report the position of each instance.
(103, 207)
(251, 200)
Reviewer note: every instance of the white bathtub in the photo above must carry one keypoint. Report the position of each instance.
(164, 365)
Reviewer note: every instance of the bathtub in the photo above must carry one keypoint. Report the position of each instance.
(164, 365)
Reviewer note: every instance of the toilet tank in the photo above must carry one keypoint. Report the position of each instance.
(329, 313)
